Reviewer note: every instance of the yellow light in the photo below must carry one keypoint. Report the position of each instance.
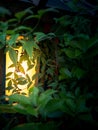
(24, 64)
(30, 73)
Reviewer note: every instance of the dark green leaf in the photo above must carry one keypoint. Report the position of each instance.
(4, 11)
(43, 11)
(2, 40)
(21, 14)
(22, 28)
(78, 72)
(86, 117)
(45, 97)
(7, 109)
(37, 126)
(33, 97)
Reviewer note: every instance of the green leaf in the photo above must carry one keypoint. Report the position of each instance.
(10, 83)
(33, 97)
(72, 6)
(81, 105)
(13, 55)
(34, 76)
(35, 46)
(92, 41)
(78, 72)
(3, 26)
(9, 74)
(62, 20)
(77, 52)
(21, 68)
(1, 45)
(20, 109)
(10, 32)
(37, 126)
(45, 97)
(43, 11)
(12, 20)
(21, 81)
(70, 52)
(28, 78)
(65, 73)
(9, 88)
(86, 117)
(25, 109)
(69, 106)
(4, 11)
(30, 66)
(13, 39)
(28, 46)
(50, 71)
(54, 84)
(21, 99)
(32, 111)
(2, 40)
(16, 76)
(12, 65)
(40, 36)
(7, 109)
(22, 28)
(54, 108)
(21, 14)
(51, 35)
(24, 57)
(31, 16)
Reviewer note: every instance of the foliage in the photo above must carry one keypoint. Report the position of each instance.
(68, 69)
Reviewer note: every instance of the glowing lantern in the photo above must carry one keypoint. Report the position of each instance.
(19, 76)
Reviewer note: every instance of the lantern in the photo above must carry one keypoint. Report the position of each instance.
(20, 76)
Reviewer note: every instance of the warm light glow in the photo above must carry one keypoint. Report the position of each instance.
(19, 38)
(30, 72)
(24, 64)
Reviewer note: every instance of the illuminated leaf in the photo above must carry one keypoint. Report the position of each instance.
(13, 39)
(28, 46)
(10, 83)
(28, 77)
(13, 55)
(21, 68)
(9, 74)
(21, 81)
